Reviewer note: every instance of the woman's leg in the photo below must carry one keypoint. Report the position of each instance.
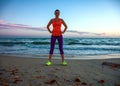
(52, 44)
(60, 42)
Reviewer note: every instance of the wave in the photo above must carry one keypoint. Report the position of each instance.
(93, 49)
(22, 43)
(67, 41)
(72, 43)
(86, 43)
(47, 43)
(11, 43)
(37, 43)
(72, 46)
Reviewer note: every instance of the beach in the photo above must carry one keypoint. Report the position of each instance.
(22, 71)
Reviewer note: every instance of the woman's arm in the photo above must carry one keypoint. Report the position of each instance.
(48, 26)
(65, 25)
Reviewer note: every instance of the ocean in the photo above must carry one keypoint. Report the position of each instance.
(72, 46)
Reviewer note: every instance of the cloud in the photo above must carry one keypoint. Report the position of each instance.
(7, 28)
(81, 34)
(1, 21)
(6, 25)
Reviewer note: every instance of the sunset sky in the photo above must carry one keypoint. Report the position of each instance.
(95, 16)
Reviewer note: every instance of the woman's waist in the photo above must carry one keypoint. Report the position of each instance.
(56, 33)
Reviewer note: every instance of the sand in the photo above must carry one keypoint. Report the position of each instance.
(21, 71)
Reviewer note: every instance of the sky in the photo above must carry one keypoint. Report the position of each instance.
(95, 16)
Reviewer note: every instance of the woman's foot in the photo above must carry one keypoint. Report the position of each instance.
(48, 63)
(64, 63)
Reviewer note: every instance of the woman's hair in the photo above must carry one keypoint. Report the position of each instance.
(57, 10)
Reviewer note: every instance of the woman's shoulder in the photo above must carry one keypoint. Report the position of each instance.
(52, 19)
(61, 19)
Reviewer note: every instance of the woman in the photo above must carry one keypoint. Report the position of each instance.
(56, 33)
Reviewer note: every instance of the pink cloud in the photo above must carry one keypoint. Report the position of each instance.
(1, 21)
(10, 24)
(7, 25)
(14, 25)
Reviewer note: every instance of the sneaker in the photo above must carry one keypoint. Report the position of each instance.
(64, 63)
(48, 63)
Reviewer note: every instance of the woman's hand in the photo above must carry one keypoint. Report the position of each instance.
(63, 32)
(50, 31)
